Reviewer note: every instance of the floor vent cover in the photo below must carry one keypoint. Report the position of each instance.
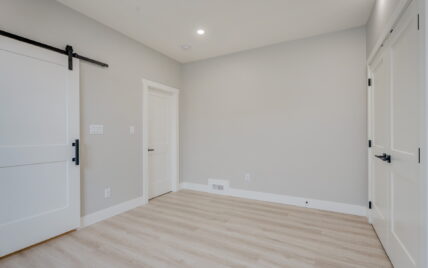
(217, 187)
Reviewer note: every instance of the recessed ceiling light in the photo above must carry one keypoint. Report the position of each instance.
(200, 31)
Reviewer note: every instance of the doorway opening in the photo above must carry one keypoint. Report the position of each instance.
(160, 139)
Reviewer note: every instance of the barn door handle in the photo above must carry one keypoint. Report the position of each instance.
(76, 152)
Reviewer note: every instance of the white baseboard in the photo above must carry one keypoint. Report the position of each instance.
(282, 199)
(111, 211)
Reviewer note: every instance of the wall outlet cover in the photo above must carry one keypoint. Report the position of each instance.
(107, 192)
(96, 129)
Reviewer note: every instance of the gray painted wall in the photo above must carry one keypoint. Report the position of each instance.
(292, 115)
(111, 97)
(381, 13)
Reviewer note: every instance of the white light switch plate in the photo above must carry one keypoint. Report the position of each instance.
(132, 130)
(96, 129)
(107, 192)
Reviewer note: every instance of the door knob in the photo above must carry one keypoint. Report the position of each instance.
(151, 150)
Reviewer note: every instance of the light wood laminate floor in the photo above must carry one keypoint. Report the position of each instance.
(193, 229)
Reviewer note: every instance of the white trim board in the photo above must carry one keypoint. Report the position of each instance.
(282, 199)
(111, 211)
(390, 24)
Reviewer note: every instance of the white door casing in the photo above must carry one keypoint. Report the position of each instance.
(379, 93)
(39, 121)
(160, 139)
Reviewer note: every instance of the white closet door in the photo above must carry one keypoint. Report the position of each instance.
(405, 130)
(397, 101)
(380, 93)
(39, 121)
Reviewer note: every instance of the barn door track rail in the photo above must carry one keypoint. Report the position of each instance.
(68, 51)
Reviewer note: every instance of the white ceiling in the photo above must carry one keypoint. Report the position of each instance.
(231, 25)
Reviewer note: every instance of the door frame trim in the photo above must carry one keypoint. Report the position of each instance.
(370, 133)
(369, 138)
(147, 86)
(385, 31)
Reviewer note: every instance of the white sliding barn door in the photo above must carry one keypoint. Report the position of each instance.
(39, 121)
(396, 124)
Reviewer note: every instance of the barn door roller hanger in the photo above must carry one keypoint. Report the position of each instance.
(68, 51)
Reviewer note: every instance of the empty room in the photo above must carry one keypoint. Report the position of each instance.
(213, 133)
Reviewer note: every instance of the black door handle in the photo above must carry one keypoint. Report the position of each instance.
(76, 152)
(151, 150)
(381, 157)
(387, 158)
(384, 157)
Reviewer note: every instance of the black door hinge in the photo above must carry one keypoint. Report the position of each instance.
(418, 23)
(369, 82)
(370, 204)
(370, 143)
(419, 155)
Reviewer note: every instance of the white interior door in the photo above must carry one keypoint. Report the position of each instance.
(380, 144)
(39, 121)
(405, 130)
(159, 140)
(396, 97)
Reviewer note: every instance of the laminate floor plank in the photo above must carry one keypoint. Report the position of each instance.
(194, 229)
